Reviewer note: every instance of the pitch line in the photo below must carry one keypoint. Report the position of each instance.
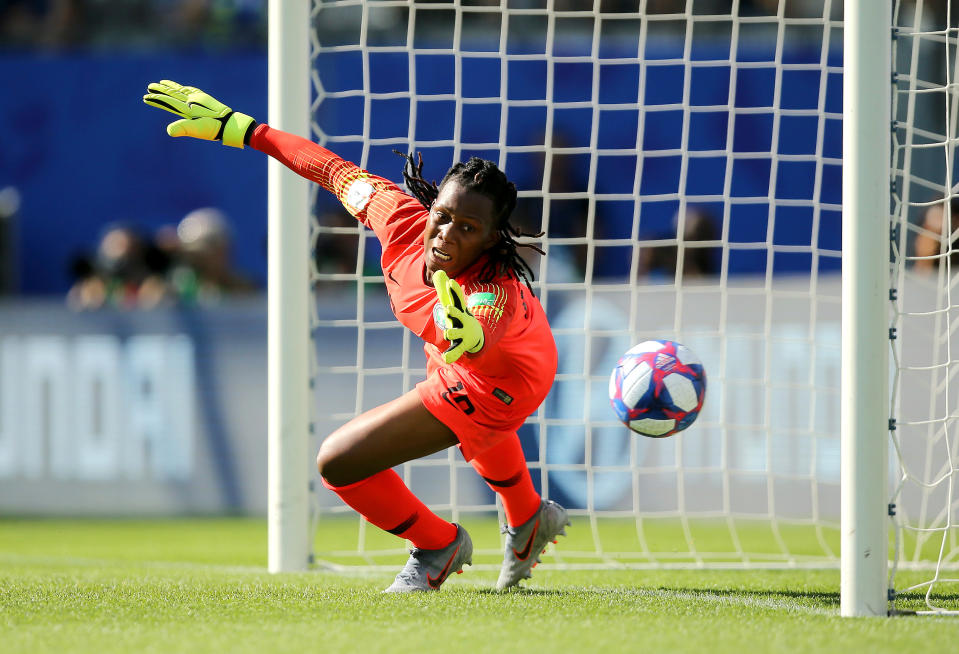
(729, 599)
(750, 601)
(84, 562)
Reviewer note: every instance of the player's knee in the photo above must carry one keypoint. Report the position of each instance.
(332, 464)
(325, 460)
(320, 461)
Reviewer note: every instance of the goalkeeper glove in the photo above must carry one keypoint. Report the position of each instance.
(464, 332)
(202, 116)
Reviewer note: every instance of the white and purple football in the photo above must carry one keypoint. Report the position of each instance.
(657, 388)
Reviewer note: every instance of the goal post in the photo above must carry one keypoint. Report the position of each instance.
(865, 417)
(288, 288)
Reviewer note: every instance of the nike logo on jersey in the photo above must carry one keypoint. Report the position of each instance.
(435, 582)
(522, 555)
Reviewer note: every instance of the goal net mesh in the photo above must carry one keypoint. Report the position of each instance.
(924, 502)
(683, 160)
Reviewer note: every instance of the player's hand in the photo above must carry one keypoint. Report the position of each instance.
(464, 332)
(201, 115)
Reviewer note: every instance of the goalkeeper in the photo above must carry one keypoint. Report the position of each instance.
(455, 279)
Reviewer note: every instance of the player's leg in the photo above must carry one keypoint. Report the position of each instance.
(396, 432)
(531, 521)
(503, 467)
(356, 463)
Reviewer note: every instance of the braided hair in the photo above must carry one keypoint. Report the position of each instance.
(483, 177)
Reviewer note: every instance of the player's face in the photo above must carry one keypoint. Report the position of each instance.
(460, 228)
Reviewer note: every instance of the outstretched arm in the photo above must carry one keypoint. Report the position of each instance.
(374, 201)
(371, 199)
(352, 185)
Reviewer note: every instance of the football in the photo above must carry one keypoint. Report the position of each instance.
(657, 388)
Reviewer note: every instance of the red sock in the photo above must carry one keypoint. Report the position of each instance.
(503, 467)
(385, 501)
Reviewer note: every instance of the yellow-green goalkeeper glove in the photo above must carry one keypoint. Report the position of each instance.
(464, 332)
(202, 116)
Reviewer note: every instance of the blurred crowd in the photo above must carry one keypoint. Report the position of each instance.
(151, 24)
(936, 239)
(187, 264)
(60, 24)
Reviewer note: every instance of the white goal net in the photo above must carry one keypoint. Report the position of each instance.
(684, 160)
(924, 502)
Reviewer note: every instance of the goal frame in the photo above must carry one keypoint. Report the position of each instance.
(864, 385)
(864, 393)
(288, 287)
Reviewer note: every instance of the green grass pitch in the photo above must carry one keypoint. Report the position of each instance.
(200, 585)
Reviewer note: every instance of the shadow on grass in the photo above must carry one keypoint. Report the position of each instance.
(909, 602)
(828, 599)
(920, 597)
(825, 599)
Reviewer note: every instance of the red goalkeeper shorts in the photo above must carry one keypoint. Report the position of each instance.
(478, 411)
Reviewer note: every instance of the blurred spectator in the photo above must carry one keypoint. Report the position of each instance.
(9, 207)
(335, 251)
(569, 218)
(41, 23)
(127, 272)
(219, 23)
(568, 227)
(698, 261)
(204, 270)
(931, 243)
(187, 264)
(89, 288)
(54, 24)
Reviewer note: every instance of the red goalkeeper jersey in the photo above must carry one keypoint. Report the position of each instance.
(519, 353)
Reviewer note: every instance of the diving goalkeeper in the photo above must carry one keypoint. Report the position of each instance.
(454, 279)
